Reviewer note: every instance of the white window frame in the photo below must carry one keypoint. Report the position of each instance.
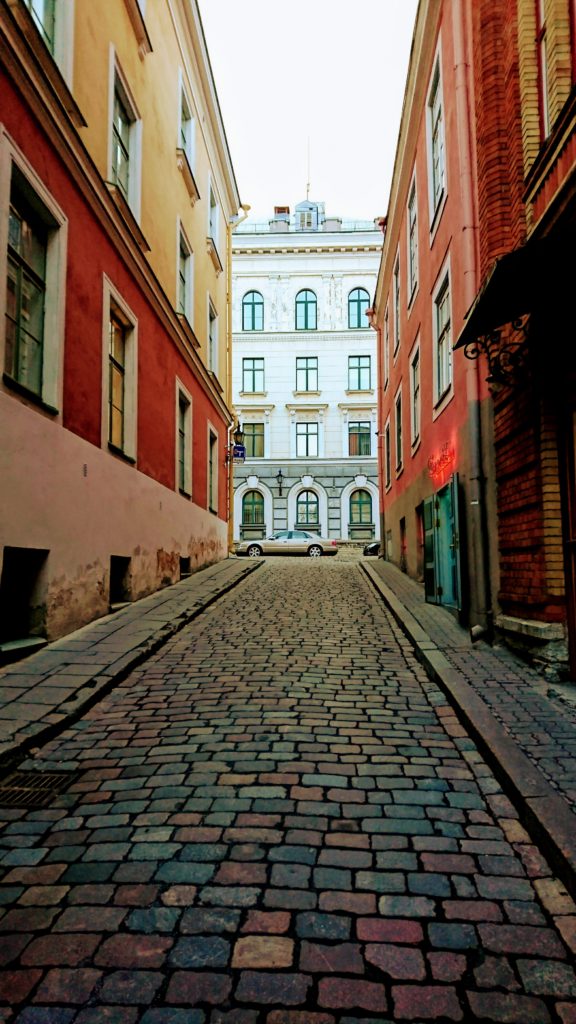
(412, 266)
(183, 243)
(415, 396)
(118, 82)
(396, 288)
(399, 431)
(263, 421)
(63, 50)
(113, 299)
(212, 449)
(212, 335)
(188, 132)
(436, 202)
(443, 391)
(386, 345)
(184, 487)
(307, 423)
(56, 268)
(213, 230)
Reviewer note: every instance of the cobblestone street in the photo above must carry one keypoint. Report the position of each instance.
(279, 819)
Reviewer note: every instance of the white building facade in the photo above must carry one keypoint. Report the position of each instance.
(304, 375)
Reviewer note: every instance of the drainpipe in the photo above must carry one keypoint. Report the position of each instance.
(481, 611)
(371, 314)
(231, 225)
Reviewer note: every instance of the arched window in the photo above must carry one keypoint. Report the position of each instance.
(360, 507)
(307, 509)
(306, 311)
(358, 302)
(253, 509)
(252, 312)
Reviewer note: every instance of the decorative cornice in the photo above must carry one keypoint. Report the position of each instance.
(139, 26)
(213, 254)
(186, 171)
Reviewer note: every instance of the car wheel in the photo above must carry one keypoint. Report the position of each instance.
(315, 551)
(254, 551)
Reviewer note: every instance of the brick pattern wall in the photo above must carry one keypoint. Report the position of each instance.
(498, 128)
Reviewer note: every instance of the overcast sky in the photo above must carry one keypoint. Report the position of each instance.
(327, 75)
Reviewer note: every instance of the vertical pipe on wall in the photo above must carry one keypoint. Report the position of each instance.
(481, 612)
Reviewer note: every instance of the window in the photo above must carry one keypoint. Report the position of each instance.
(254, 440)
(442, 338)
(44, 14)
(185, 304)
(306, 311)
(35, 285)
(212, 471)
(187, 129)
(183, 442)
(398, 430)
(437, 170)
(307, 509)
(359, 439)
(117, 345)
(306, 373)
(26, 294)
(387, 456)
(542, 69)
(253, 375)
(252, 312)
(253, 509)
(412, 242)
(212, 339)
(397, 304)
(125, 145)
(306, 440)
(360, 507)
(415, 397)
(386, 347)
(358, 302)
(214, 219)
(359, 374)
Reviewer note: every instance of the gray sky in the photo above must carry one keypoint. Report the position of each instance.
(328, 71)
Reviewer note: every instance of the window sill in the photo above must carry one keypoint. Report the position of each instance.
(360, 391)
(139, 26)
(399, 470)
(187, 328)
(436, 216)
(213, 254)
(25, 392)
(442, 401)
(415, 445)
(253, 394)
(188, 175)
(184, 493)
(300, 394)
(127, 215)
(121, 454)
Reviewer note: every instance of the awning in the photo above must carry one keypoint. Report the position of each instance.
(516, 284)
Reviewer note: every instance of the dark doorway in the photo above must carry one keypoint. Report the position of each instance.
(119, 581)
(22, 609)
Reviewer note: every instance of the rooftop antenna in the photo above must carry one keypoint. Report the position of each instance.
(308, 175)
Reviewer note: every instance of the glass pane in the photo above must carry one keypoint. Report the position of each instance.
(43, 13)
(117, 388)
(117, 342)
(116, 427)
(32, 308)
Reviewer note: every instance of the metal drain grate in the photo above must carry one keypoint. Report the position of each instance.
(34, 789)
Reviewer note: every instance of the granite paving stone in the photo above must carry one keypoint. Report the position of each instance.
(276, 827)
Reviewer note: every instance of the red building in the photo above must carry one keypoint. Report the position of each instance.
(114, 411)
(479, 501)
(436, 450)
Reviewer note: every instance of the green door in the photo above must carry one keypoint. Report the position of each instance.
(442, 546)
(429, 548)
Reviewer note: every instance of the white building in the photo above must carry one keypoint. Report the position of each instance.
(304, 375)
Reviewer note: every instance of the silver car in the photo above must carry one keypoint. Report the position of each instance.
(288, 542)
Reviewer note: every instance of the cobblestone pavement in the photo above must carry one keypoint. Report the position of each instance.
(539, 715)
(279, 820)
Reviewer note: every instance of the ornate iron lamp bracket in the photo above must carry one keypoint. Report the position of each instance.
(506, 349)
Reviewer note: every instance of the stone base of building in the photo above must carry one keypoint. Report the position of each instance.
(543, 645)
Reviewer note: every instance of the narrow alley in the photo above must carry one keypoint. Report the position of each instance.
(279, 819)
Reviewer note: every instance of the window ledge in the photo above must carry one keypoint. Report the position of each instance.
(127, 216)
(139, 26)
(215, 381)
(25, 392)
(213, 254)
(299, 394)
(399, 470)
(186, 327)
(184, 493)
(27, 26)
(112, 448)
(253, 394)
(360, 391)
(186, 172)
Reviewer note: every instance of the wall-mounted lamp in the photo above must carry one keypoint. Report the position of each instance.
(238, 441)
(238, 434)
(279, 481)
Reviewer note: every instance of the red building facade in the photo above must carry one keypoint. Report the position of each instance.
(509, 118)
(114, 428)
